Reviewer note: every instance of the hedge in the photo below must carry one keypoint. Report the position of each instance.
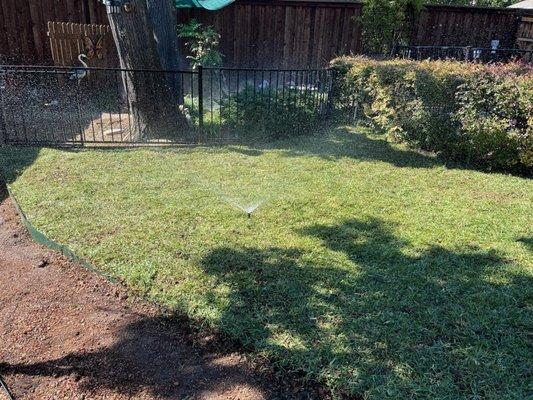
(478, 114)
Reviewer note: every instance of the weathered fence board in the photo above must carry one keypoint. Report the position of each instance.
(466, 26)
(525, 34)
(23, 25)
(68, 40)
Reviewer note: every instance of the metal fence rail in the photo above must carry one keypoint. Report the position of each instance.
(102, 106)
(463, 53)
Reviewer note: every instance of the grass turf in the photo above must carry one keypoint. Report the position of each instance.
(369, 267)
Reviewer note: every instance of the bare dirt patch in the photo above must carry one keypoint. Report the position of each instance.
(69, 334)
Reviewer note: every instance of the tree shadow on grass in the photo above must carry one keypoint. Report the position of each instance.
(527, 241)
(156, 355)
(335, 143)
(13, 161)
(376, 317)
(343, 142)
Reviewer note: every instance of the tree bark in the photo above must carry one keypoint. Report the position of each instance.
(151, 96)
(163, 15)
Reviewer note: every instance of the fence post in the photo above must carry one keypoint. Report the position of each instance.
(394, 50)
(78, 109)
(331, 94)
(3, 128)
(200, 98)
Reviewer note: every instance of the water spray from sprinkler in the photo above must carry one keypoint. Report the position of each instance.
(249, 209)
(240, 203)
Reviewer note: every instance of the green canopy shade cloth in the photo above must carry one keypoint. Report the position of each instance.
(207, 4)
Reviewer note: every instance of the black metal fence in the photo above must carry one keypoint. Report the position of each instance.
(95, 106)
(468, 53)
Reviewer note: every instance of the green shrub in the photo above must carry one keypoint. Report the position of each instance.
(495, 120)
(385, 23)
(470, 112)
(278, 113)
(525, 137)
(202, 43)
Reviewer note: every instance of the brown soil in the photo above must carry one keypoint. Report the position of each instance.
(69, 334)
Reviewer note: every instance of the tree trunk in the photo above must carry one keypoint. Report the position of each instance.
(163, 15)
(151, 95)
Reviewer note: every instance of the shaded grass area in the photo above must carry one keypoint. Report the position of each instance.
(374, 269)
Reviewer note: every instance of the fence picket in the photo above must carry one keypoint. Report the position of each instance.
(67, 43)
(525, 36)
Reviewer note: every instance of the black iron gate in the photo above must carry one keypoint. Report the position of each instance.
(94, 106)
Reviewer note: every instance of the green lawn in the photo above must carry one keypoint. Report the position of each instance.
(369, 267)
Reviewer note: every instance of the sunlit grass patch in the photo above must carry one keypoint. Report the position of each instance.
(374, 269)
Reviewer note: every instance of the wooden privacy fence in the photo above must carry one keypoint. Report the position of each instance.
(283, 33)
(277, 33)
(68, 40)
(525, 34)
(23, 26)
(466, 26)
